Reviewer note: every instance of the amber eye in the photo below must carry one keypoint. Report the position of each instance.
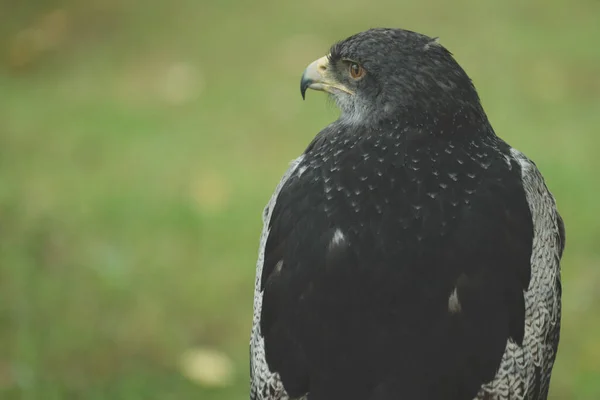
(356, 71)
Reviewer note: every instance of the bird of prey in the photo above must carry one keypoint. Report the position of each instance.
(408, 252)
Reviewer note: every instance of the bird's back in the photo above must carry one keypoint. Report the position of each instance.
(393, 264)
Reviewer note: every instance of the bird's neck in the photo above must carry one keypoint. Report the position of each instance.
(450, 120)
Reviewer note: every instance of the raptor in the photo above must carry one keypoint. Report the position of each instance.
(408, 252)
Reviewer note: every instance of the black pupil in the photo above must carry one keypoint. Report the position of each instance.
(355, 69)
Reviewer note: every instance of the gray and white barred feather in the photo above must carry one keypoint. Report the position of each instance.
(524, 372)
(264, 384)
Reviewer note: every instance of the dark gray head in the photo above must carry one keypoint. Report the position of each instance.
(383, 73)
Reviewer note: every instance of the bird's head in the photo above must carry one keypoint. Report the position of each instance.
(382, 73)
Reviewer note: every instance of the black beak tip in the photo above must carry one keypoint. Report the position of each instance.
(304, 84)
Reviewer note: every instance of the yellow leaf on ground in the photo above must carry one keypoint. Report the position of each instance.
(207, 367)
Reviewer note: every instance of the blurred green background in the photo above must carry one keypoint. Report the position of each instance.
(140, 140)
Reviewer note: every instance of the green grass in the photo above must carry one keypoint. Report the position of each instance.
(137, 153)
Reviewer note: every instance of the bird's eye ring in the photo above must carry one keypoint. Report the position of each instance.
(356, 71)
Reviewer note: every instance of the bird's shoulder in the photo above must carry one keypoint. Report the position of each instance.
(407, 188)
(460, 203)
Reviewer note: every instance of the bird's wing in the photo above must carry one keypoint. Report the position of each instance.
(264, 383)
(525, 370)
(385, 290)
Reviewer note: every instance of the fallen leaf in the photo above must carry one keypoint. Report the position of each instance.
(207, 367)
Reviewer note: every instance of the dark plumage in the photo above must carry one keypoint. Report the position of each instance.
(408, 253)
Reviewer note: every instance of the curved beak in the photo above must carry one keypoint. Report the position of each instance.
(317, 76)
